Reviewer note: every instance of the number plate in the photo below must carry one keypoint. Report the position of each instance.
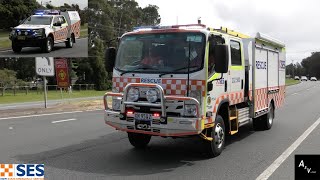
(21, 37)
(143, 116)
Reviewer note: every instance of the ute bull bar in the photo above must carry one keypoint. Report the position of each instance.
(168, 130)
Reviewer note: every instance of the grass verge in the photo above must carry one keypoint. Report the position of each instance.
(84, 31)
(290, 82)
(21, 96)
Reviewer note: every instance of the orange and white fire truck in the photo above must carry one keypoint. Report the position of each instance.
(186, 80)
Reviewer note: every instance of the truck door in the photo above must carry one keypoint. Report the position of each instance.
(236, 73)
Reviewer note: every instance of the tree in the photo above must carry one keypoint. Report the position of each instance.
(97, 63)
(7, 78)
(12, 11)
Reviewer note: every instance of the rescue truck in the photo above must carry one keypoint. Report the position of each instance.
(46, 28)
(203, 82)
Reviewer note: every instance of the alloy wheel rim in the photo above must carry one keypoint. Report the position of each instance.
(218, 135)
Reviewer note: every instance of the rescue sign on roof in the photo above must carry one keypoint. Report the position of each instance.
(44, 66)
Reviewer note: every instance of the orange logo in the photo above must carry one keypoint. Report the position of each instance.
(62, 75)
(6, 170)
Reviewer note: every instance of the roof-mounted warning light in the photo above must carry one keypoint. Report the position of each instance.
(187, 26)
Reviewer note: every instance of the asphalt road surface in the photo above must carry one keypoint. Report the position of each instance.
(79, 49)
(79, 146)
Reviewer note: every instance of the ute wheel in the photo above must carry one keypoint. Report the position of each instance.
(215, 147)
(69, 42)
(139, 140)
(48, 45)
(16, 48)
(264, 122)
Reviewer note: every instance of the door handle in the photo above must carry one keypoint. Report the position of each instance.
(241, 83)
(225, 86)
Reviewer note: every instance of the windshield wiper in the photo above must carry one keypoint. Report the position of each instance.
(186, 67)
(143, 68)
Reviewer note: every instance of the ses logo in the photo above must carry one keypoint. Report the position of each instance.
(282, 65)
(22, 171)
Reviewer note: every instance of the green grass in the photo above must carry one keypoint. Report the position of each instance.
(84, 31)
(6, 43)
(290, 82)
(52, 95)
(4, 33)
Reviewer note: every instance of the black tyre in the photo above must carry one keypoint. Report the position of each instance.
(215, 147)
(69, 42)
(264, 122)
(48, 45)
(139, 140)
(16, 48)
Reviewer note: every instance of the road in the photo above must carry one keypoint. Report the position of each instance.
(80, 49)
(79, 146)
(40, 104)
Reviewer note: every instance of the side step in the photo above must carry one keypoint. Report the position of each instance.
(238, 118)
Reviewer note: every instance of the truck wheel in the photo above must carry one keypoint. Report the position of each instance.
(48, 45)
(264, 122)
(69, 42)
(215, 147)
(139, 140)
(16, 48)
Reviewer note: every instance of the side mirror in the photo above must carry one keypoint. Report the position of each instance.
(221, 57)
(57, 24)
(110, 58)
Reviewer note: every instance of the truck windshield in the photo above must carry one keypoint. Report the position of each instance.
(161, 53)
(38, 20)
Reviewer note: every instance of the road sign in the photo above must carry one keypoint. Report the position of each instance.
(44, 66)
(62, 74)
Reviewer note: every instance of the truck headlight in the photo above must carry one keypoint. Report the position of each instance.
(152, 95)
(190, 110)
(38, 32)
(116, 102)
(133, 94)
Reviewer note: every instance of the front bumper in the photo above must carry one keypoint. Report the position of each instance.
(165, 125)
(29, 41)
(176, 126)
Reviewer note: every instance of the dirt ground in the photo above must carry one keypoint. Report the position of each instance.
(62, 107)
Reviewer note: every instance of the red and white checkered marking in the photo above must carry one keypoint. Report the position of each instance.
(6, 170)
(262, 99)
(75, 28)
(61, 34)
(170, 86)
(236, 97)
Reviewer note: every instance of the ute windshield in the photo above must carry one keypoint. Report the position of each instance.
(38, 20)
(161, 53)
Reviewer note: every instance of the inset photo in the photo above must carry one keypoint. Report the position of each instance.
(44, 28)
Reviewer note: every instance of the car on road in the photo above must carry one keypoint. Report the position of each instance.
(296, 78)
(313, 79)
(304, 78)
(46, 28)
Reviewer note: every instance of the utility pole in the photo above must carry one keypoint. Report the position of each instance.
(292, 69)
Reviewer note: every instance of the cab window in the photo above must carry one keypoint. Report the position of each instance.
(62, 20)
(56, 20)
(235, 53)
(211, 59)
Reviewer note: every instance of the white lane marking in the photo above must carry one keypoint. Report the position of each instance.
(65, 120)
(39, 115)
(270, 170)
(308, 89)
(294, 93)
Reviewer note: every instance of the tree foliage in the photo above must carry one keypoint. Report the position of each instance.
(12, 11)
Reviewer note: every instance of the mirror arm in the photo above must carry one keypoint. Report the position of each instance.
(218, 78)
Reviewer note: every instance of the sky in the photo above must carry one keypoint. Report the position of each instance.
(81, 3)
(294, 22)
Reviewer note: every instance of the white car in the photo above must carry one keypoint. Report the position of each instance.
(296, 78)
(313, 79)
(46, 28)
(304, 78)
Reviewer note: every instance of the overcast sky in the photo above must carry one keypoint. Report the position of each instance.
(295, 22)
(81, 3)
